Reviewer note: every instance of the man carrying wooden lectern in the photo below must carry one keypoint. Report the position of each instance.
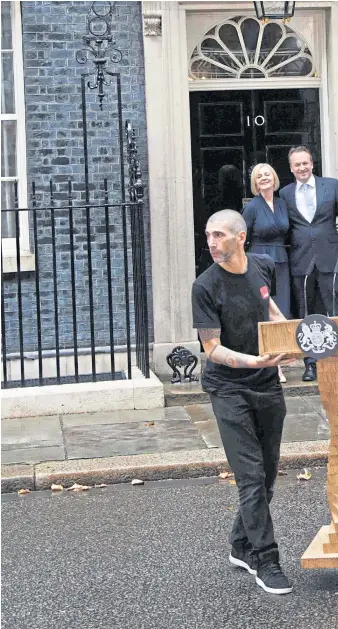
(229, 300)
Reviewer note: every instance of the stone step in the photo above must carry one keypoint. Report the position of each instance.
(191, 393)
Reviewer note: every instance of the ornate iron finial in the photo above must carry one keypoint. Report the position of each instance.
(182, 357)
(100, 44)
(135, 176)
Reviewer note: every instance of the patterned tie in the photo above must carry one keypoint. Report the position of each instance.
(309, 200)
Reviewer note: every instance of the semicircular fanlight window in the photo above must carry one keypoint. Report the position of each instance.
(245, 48)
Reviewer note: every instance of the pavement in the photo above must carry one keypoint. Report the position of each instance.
(156, 557)
(113, 447)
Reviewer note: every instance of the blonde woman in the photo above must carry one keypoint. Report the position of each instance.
(267, 222)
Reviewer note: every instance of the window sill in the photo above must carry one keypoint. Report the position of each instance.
(27, 263)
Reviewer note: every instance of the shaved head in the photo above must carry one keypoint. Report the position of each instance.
(226, 236)
(231, 219)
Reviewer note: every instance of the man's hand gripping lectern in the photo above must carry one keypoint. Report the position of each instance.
(277, 337)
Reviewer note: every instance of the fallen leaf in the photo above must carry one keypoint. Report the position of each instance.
(57, 487)
(232, 482)
(22, 492)
(77, 487)
(149, 424)
(224, 475)
(137, 481)
(100, 486)
(306, 475)
(72, 487)
(229, 508)
(282, 473)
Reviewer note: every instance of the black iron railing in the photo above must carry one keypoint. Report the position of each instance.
(87, 293)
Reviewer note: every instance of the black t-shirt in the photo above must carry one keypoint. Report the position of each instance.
(235, 303)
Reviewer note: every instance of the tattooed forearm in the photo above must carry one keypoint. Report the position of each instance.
(274, 312)
(207, 334)
(223, 355)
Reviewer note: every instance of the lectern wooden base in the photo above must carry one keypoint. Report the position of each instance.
(277, 338)
(315, 557)
(323, 551)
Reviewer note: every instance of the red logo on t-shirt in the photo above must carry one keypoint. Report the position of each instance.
(264, 292)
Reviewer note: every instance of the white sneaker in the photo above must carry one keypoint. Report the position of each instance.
(271, 578)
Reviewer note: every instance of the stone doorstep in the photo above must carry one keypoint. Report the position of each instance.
(161, 466)
(192, 393)
(64, 399)
(184, 395)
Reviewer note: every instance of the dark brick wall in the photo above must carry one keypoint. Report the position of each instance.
(52, 33)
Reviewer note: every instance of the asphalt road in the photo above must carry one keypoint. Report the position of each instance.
(155, 557)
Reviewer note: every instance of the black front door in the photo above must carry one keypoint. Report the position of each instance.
(233, 131)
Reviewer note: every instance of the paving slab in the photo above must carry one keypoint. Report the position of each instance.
(210, 433)
(200, 412)
(32, 440)
(33, 455)
(299, 405)
(124, 416)
(31, 432)
(301, 422)
(131, 438)
(301, 427)
(314, 402)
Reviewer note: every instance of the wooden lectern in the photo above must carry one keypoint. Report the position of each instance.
(278, 337)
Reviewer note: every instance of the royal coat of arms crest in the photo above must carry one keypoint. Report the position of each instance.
(317, 336)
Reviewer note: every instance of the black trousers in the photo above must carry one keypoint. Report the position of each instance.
(319, 296)
(250, 425)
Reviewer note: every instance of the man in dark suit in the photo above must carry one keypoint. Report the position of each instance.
(313, 210)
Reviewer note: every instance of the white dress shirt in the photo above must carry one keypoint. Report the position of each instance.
(300, 197)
